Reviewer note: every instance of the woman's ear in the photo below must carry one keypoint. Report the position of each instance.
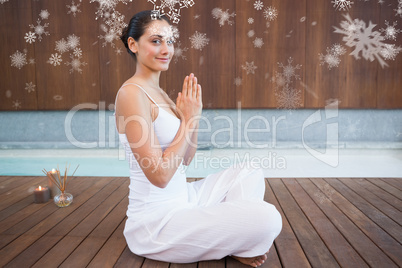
(132, 45)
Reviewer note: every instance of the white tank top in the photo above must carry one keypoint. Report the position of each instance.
(144, 196)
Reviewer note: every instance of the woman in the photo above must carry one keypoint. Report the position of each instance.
(169, 219)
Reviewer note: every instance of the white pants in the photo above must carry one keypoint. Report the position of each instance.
(227, 216)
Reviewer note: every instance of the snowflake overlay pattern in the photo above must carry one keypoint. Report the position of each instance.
(55, 59)
(62, 46)
(179, 52)
(30, 87)
(363, 39)
(398, 11)
(390, 31)
(30, 37)
(223, 16)
(258, 42)
(270, 13)
(44, 14)
(170, 8)
(18, 59)
(287, 96)
(332, 57)
(107, 7)
(342, 5)
(249, 67)
(199, 40)
(112, 28)
(39, 29)
(73, 9)
(258, 5)
(17, 104)
(75, 64)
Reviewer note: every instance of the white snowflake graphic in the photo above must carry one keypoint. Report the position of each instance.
(170, 8)
(390, 31)
(77, 52)
(118, 51)
(109, 36)
(270, 13)
(251, 33)
(44, 14)
(238, 81)
(62, 46)
(250, 20)
(289, 71)
(337, 49)
(332, 57)
(363, 38)
(55, 59)
(75, 64)
(116, 22)
(179, 52)
(18, 59)
(73, 41)
(199, 40)
(223, 16)
(31, 61)
(3, 1)
(40, 29)
(106, 7)
(398, 11)
(249, 67)
(17, 104)
(258, 42)
(288, 98)
(389, 52)
(30, 87)
(258, 5)
(342, 4)
(73, 8)
(30, 37)
(170, 33)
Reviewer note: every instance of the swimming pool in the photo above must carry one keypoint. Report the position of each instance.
(276, 163)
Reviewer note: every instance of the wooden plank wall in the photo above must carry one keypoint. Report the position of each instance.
(292, 42)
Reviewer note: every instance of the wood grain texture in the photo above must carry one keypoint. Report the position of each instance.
(325, 221)
(302, 30)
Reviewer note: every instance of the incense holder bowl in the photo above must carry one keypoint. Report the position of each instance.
(63, 199)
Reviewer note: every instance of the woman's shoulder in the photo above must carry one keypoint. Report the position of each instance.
(130, 90)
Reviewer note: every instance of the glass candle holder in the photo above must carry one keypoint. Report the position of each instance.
(63, 199)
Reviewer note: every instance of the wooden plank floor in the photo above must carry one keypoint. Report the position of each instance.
(326, 223)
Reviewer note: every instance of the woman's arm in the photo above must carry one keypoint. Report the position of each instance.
(134, 118)
(192, 148)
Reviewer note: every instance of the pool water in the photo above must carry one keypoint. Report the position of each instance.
(278, 163)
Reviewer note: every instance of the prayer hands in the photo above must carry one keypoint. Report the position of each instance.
(189, 101)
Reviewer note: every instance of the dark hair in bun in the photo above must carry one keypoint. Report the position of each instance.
(137, 26)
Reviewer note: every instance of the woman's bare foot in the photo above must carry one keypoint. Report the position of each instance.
(253, 261)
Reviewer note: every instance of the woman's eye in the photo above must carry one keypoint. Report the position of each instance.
(156, 41)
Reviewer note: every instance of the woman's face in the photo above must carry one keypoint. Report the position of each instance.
(155, 46)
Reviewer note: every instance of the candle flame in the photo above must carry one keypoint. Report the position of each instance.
(40, 188)
(53, 171)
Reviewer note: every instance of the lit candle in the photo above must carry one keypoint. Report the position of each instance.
(41, 194)
(53, 189)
